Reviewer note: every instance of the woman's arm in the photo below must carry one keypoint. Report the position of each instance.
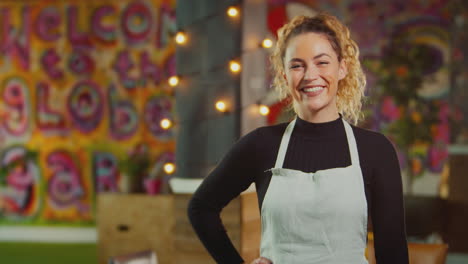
(388, 216)
(233, 175)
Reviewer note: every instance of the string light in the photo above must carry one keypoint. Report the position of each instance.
(165, 123)
(181, 38)
(267, 43)
(234, 66)
(173, 81)
(169, 168)
(264, 110)
(233, 11)
(221, 106)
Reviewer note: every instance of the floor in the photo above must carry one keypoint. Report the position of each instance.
(45, 253)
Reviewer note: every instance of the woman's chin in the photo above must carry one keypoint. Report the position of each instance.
(314, 107)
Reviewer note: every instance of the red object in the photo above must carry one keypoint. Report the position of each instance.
(275, 111)
(152, 186)
(276, 19)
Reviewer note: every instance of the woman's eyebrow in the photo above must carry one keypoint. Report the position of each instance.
(315, 57)
(296, 60)
(321, 55)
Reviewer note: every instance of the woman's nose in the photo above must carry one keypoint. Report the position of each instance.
(310, 73)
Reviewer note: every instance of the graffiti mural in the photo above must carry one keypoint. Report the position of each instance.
(156, 109)
(68, 197)
(106, 172)
(81, 85)
(15, 94)
(20, 184)
(124, 119)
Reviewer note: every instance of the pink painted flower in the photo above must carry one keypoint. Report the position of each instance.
(437, 156)
(444, 112)
(389, 109)
(441, 132)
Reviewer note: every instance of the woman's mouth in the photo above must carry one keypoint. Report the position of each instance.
(312, 90)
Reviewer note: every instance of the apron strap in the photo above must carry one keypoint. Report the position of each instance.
(353, 152)
(284, 144)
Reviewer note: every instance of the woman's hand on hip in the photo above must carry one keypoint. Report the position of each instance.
(262, 260)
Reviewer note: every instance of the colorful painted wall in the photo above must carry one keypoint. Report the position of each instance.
(406, 51)
(83, 88)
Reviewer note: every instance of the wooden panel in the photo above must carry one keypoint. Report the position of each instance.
(418, 253)
(131, 223)
(425, 215)
(160, 223)
(458, 179)
(457, 216)
(457, 232)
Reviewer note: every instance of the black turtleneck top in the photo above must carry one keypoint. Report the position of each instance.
(312, 147)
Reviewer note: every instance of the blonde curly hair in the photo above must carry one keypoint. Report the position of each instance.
(351, 88)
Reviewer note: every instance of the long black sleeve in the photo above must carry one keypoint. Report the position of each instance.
(387, 207)
(312, 147)
(233, 175)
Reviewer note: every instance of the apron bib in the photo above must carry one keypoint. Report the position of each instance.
(318, 217)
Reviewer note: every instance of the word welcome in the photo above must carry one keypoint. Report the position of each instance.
(83, 28)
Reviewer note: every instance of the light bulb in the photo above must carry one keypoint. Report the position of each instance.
(221, 106)
(180, 38)
(165, 123)
(264, 110)
(234, 66)
(169, 168)
(267, 43)
(233, 11)
(173, 81)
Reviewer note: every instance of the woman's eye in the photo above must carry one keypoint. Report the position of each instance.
(323, 62)
(295, 66)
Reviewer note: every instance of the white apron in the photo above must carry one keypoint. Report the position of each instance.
(318, 218)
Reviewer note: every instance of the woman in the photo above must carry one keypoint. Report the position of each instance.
(317, 178)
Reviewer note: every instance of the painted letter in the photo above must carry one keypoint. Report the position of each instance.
(47, 24)
(19, 184)
(65, 188)
(76, 38)
(123, 116)
(122, 66)
(106, 172)
(136, 22)
(149, 71)
(105, 34)
(16, 42)
(85, 105)
(49, 61)
(166, 26)
(15, 94)
(80, 63)
(48, 120)
(157, 108)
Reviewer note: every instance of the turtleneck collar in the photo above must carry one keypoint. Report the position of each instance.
(319, 130)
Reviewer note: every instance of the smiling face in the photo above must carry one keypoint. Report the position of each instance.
(312, 72)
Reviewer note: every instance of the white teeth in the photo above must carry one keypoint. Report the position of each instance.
(314, 89)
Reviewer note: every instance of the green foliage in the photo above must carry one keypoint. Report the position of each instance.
(401, 77)
(402, 70)
(135, 165)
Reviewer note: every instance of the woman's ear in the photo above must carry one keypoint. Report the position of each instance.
(343, 70)
(285, 78)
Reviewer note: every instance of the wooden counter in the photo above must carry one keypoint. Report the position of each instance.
(132, 223)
